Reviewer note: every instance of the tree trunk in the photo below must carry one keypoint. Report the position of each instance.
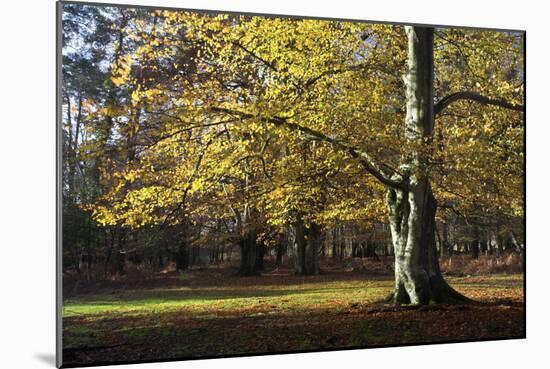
(108, 255)
(160, 263)
(334, 242)
(311, 254)
(490, 245)
(354, 249)
(474, 244)
(306, 248)
(182, 257)
(195, 256)
(515, 243)
(342, 239)
(371, 250)
(120, 258)
(483, 247)
(73, 163)
(438, 241)
(390, 249)
(446, 249)
(299, 246)
(474, 249)
(508, 244)
(280, 253)
(260, 257)
(249, 250)
(412, 207)
(418, 279)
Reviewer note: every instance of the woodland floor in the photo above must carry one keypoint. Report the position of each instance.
(212, 312)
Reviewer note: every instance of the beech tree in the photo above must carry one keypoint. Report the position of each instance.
(224, 108)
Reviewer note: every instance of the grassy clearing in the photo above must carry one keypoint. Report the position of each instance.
(205, 313)
(225, 299)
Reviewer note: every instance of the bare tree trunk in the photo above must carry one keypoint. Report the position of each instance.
(299, 245)
(120, 258)
(483, 247)
(446, 249)
(371, 250)
(73, 163)
(474, 249)
(418, 279)
(474, 244)
(412, 209)
(160, 262)
(334, 242)
(89, 248)
(306, 247)
(181, 257)
(280, 252)
(248, 248)
(260, 257)
(109, 252)
(342, 240)
(311, 253)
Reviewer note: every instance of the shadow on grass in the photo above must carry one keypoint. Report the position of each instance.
(304, 291)
(228, 315)
(201, 279)
(196, 292)
(183, 295)
(173, 334)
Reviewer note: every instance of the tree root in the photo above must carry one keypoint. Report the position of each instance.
(445, 295)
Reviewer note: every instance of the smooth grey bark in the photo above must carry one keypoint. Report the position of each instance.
(412, 208)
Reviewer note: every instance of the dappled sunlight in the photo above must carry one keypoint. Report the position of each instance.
(232, 299)
(195, 321)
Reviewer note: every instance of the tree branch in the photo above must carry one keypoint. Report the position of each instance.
(468, 95)
(350, 68)
(365, 159)
(255, 56)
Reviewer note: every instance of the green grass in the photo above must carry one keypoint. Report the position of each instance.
(229, 299)
(234, 298)
(204, 314)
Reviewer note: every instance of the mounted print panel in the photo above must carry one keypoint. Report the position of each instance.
(242, 184)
